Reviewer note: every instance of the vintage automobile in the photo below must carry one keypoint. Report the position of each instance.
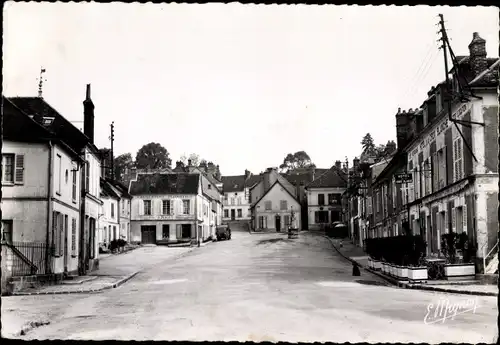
(223, 232)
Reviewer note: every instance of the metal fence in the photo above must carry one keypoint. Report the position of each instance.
(30, 258)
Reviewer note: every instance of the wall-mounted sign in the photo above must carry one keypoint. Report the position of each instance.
(403, 178)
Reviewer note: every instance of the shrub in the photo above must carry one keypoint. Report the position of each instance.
(449, 243)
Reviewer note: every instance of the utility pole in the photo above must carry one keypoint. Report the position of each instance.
(112, 153)
(40, 82)
(348, 198)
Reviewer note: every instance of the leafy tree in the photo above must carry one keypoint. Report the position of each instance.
(123, 162)
(368, 144)
(299, 159)
(153, 156)
(195, 159)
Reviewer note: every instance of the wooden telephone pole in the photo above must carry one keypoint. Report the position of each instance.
(112, 137)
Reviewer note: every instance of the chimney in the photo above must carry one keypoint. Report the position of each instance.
(338, 165)
(247, 174)
(402, 128)
(269, 178)
(355, 163)
(477, 59)
(189, 162)
(88, 116)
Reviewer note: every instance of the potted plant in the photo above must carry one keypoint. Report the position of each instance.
(457, 266)
(417, 270)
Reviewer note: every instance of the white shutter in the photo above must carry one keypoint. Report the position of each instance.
(158, 203)
(141, 207)
(19, 172)
(454, 219)
(464, 216)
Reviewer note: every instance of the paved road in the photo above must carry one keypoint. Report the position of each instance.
(258, 287)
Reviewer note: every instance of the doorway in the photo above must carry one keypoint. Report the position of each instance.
(233, 214)
(278, 222)
(148, 234)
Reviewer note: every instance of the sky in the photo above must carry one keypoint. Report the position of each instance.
(239, 85)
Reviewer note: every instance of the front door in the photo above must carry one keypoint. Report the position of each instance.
(278, 222)
(148, 234)
(233, 215)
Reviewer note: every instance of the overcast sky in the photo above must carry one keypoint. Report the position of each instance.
(241, 85)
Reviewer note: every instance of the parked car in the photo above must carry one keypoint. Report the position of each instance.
(223, 232)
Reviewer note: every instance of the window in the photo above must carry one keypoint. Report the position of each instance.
(239, 200)
(240, 213)
(123, 205)
(57, 230)
(147, 207)
(458, 167)
(283, 205)
(226, 213)
(186, 205)
(232, 201)
(87, 176)
(8, 168)
(166, 207)
(321, 199)
(438, 102)
(268, 205)
(165, 231)
(112, 210)
(59, 173)
(73, 191)
(7, 231)
(262, 222)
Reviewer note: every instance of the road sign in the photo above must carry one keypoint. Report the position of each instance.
(403, 178)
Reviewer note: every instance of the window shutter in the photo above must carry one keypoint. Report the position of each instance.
(454, 219)
(19, 176)
(54, 232)
(178, 231)
(141, 207)
(464, 220)
(73, 236)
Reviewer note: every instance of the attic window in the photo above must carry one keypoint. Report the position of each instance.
(235, 186)
(48, 120)
(209, 186)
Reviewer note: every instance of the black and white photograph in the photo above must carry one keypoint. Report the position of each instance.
(250, 172)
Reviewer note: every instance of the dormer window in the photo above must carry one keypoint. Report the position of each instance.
(439, 102)
(209, 186)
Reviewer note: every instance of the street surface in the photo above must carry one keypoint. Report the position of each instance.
(255, 287)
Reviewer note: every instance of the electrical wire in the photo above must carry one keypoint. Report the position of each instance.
(411, 81)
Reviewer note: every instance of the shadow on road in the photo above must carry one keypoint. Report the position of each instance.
(273, 240)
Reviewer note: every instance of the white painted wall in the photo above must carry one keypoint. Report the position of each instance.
(275, 195)
(237, 201)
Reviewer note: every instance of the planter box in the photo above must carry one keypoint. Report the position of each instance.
(460, 271)
(377, 265)
(417, 274)
(402, 272)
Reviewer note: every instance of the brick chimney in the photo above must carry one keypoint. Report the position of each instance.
(189, 162)
(269, 178)
(338, 165)
(477, 59)
(355, 163)
(402, 128)
(88, 116)
(247, 174)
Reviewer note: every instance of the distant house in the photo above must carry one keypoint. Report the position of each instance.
(324, 197)
(109, 220)
(237, 196)
(273, 201)
(169, 208)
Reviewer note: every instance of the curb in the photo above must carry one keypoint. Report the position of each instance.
(107, 287)
(414, 286)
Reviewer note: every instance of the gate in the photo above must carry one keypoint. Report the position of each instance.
(30, 258)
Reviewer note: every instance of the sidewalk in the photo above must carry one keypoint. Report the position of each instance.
(114, 270)
(356, 254)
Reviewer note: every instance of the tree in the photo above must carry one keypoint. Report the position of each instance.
(123, 162)
(153, 156)
(299, 159)
(368, 144)
(195, 159)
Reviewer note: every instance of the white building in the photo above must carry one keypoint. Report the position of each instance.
(324, 197)
(237, 196)
(273, 201)
(109, 220)
(170, 208)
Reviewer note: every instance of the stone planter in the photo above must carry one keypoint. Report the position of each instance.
(377, 265)
(402, 272)
(417, 274)
(460, 271)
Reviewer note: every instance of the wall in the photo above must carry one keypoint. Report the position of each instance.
(137, 208)
(106, 220)
(36, 158)
(275, 195)
(313, 206)
(26, 229)
(135, 228)
(240, 203)
(62, 188)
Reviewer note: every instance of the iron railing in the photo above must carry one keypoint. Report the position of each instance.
(30, 258)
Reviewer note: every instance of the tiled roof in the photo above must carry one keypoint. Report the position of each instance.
(488, 77)
(271, 187)
(331, 178)
(212, 191)
(233, 183)
(253, 180)
(62, 128)
(18, 126)
(120, 188)
(107, 190)
(174, 183)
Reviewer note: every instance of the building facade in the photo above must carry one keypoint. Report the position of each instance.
(324, 197)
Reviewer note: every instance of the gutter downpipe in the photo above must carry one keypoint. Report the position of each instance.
(49, 210)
